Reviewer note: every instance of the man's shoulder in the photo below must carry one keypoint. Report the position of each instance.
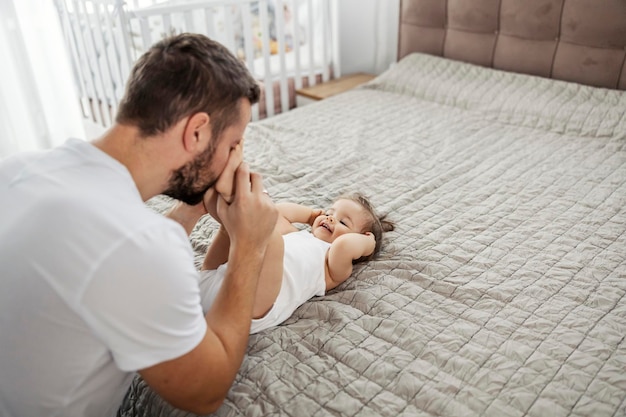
(14, 163)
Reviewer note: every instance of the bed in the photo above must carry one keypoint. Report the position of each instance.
(497, 143)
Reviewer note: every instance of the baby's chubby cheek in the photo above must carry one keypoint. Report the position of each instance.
(225, 184)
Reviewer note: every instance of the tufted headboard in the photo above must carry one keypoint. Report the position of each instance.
(583, 41)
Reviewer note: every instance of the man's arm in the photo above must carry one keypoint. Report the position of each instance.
(199, 380)
(344, 250)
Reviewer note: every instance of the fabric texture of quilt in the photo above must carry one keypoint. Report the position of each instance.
(502, 290)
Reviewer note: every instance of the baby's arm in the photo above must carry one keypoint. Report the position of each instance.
(298, 213)
(344, 250)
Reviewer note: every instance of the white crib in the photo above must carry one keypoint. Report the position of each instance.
(283, 50)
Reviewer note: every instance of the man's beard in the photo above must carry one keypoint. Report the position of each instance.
(186, 184)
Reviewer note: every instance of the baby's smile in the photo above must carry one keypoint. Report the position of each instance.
(326, 226)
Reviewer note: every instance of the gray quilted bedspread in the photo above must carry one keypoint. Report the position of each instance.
(502, 290)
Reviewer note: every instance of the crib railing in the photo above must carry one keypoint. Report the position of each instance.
(286, 44)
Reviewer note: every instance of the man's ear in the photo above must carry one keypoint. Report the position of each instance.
(197, 132)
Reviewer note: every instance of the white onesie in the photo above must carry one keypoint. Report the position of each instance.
(304, 277)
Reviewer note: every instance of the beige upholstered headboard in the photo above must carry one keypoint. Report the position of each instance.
(583, 41)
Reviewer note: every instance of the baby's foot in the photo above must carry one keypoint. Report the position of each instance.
(225, 184)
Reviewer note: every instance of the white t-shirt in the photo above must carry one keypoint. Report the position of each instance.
(93, 284)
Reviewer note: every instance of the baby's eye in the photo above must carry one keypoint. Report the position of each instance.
(342, 222)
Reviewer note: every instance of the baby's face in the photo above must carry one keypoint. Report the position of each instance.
(345, 216)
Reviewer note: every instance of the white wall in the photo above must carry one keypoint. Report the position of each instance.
(368, 35)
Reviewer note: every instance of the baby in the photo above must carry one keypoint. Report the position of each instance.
(300, 264)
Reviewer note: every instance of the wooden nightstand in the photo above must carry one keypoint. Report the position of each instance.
(330, 88)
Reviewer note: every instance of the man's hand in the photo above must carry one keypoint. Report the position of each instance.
(251, 216)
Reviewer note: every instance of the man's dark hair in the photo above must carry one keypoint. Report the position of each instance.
(182, 75)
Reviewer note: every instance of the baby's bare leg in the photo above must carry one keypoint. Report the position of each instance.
(217, 254)
(271, 277)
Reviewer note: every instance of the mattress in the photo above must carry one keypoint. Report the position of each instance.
(501, 292)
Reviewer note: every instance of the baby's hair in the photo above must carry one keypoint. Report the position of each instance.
(378, 224)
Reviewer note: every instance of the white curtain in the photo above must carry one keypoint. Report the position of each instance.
(386, 34)
(38, 102)
(368, 38)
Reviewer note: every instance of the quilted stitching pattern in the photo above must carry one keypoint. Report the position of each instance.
(502, 291)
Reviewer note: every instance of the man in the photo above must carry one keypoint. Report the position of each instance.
(94, 285)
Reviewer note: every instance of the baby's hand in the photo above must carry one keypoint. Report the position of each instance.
(225, 184)
(315, 213)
